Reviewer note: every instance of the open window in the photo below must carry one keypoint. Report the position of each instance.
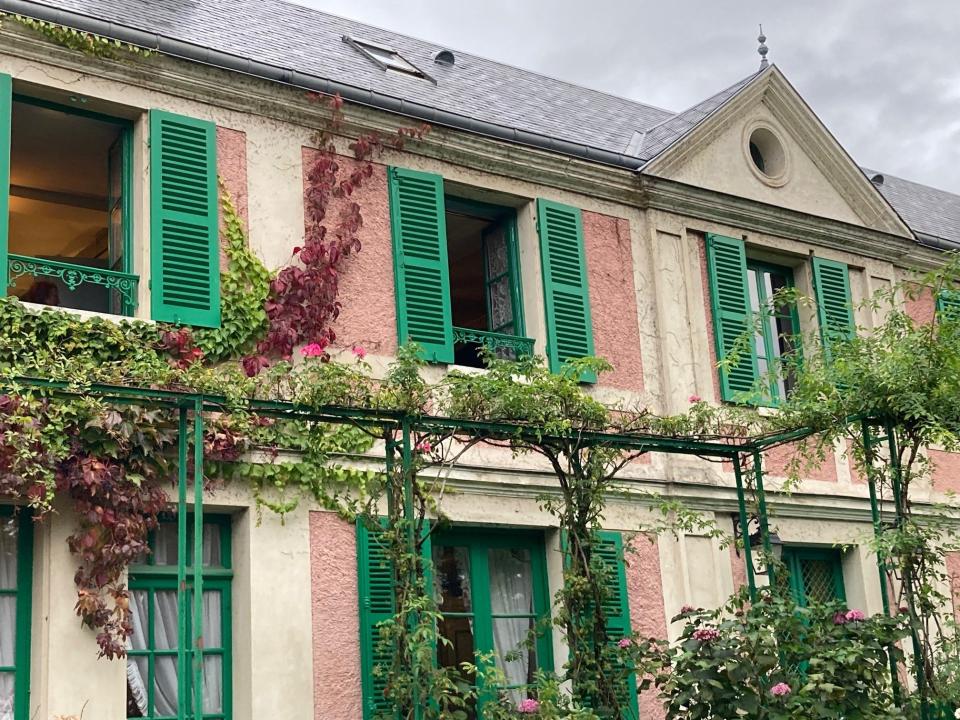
(484, 280)
(69, 205)
(774, 341)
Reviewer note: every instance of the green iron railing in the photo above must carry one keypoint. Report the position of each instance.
(73, 276)
(499, 344)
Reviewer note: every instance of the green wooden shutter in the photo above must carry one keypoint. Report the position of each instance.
(948, 305)
(565, 289)
(815, 574)
(609, 548)
(732, 317)
(375, 576)
(184, 234)
(6, 108)
(421, 272)
(831, 286)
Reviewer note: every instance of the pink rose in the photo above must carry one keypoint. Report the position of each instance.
(625, 643)
(423, 446)
(780, 689)
(312, 350)
(855, 616)
(840, 618)
(695, 399)
(359, 352)
(528, 706)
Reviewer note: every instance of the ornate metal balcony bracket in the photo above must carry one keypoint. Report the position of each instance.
(497, 343)
(73, 276)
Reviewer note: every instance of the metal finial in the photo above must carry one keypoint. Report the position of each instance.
(763, 49)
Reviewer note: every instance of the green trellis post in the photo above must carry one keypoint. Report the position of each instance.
(762, 513)
(745, 528)
(198, 558)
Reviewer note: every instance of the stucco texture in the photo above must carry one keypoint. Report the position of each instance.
(368, 315)
(946, 471)
(953, 571)
(647, 615)
(613, 300)
(337, 692)
(711, 338)
(921, 308)
(232, 167)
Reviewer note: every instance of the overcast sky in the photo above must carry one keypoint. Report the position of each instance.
(883, 75)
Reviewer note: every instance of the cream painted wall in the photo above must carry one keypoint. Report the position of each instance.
(724, 165)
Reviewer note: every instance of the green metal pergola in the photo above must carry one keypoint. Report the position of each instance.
(190, 407)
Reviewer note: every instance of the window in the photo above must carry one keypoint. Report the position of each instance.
(491, 589)
(773, 343)
(153, 677)
(814, 574)
(457, 274)
(69, 208)
(385, 57)
(66, 199)
(16, 568)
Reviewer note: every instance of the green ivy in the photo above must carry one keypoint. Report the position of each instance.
(85, 42)
(244, 287)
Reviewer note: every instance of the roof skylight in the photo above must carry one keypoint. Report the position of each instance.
(387, 58)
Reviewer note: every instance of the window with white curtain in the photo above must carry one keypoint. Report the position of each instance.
(15, 600)
(152, 671)
(491, 588)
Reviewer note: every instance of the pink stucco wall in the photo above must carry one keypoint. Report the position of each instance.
(613, 301)
(921, 308)
(946, 471)
(777, 460)
(337, 691)
(953, 570)
(368, 312)
(232, 166)
(647, 615)
(738, 566)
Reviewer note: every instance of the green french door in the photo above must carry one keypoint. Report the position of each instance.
(815, 574)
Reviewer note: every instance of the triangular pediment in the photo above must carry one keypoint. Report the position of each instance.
(766, 124)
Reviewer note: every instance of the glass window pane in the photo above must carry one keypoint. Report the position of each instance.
(165, 544)
(139, 619)
(459, 631)
(8, 553)
(501, 305)
(516, 661)
(752, 288)
(212, 684)
(452, 578)
(165, 620)
(496, 244)
(6, 696)
(8, 629)
(211, 545)
(137, 678)
(511, 581)
(165, 685)
(212, 622)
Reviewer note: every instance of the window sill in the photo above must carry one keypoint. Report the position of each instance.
(83, 314)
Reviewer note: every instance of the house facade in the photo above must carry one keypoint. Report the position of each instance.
(533, 215)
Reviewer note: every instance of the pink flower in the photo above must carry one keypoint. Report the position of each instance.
(625, 643)
(780, 689)
(423, 446)
(528, 706)
(312, 350)
(687, 609)
(695, 399)
(855, 616)
(360, 352)
(705, 634)
(840, 618)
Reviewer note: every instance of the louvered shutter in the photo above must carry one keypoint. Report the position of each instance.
(732, 317)
(6, 107)
(567, 296)
(608, 546)
(948, 305)
(421, 272)
(184, 247)
(831, 285)
(375, 576)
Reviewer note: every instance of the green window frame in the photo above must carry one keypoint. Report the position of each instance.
(948, 305)
(22, 594)
(478, 544)
(150, 577)
(418, 210)
(814, 573)
(118, 278)
(771, 345)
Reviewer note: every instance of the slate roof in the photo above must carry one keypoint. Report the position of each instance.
(930, 213)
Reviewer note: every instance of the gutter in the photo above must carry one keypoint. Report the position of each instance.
(292, 78)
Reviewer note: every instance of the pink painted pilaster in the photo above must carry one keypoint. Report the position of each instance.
(647, 614)
(337, 692)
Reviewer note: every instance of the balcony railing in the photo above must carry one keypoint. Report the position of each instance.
(506, 346)
(73, 276)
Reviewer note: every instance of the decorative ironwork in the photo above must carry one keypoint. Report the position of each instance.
(73, 276)
(505, 346)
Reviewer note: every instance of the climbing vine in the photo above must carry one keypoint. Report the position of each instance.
(85, 42)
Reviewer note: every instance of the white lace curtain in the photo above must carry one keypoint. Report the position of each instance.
(511, 593)
(8, 612)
